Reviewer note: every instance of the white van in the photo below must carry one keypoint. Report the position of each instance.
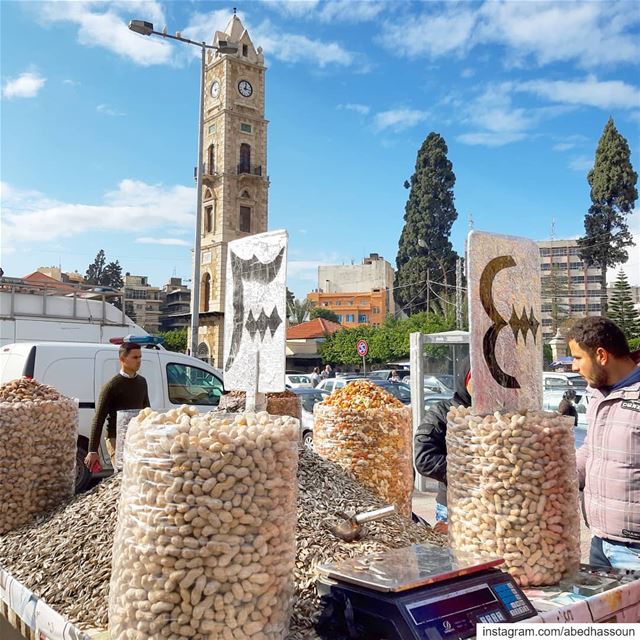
(79, 370)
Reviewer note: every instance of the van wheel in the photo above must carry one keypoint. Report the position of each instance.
(83, 475)
(307, 439)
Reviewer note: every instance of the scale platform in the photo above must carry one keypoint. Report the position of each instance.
(419, 592)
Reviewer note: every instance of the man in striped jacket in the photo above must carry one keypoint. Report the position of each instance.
(609, 459)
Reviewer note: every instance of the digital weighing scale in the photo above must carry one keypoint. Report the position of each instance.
(419, 592)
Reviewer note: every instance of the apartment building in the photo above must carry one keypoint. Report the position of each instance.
(356, 293)
(568, 283)
(144, 301)
(175, 305)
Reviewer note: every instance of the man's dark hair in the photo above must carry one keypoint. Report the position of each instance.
(594, 332)
(126, 348)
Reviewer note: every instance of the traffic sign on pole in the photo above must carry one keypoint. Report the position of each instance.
(362, 348)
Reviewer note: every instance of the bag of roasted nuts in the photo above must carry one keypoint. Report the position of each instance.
(205, 540)
(513, 491)
(367, 431)
(38, 443)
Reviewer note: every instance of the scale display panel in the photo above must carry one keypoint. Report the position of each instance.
(402, 569)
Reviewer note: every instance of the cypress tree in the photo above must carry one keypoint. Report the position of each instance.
(621, 309)
(424, 249)
(613, 195)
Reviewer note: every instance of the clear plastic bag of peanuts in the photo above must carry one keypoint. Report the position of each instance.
(513, 491)
(367, 431)
(123, 419)
(38, 448)
(205, 540)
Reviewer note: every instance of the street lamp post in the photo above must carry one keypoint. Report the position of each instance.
(146, 29)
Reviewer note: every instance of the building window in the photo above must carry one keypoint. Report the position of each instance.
(245, 158)
(576, 265)
(593, 307)
(245, 194)
(375, 310)
(205, 292)
(545, 267)
(547, 322)
(338, 303)
(574, 251)
(339, 317)
(546, 308)
(363, 302)
(212, 128)
(208, 219)
(245, 127)
(545, 251)
(578, 307)
(211, 160)
(245, 50)
(559, 251)
(350, 317)
(245, 219)
(594, 279)
(363, 318)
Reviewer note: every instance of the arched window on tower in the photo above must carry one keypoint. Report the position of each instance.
(245, 158)
(245, 219)
(211, 161)
(205, 292)
(208, 219)
(245, 194)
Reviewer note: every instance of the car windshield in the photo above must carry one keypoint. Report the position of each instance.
(379, 375)
(400, 391)
(309, 400)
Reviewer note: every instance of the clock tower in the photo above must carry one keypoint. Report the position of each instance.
(235, 182)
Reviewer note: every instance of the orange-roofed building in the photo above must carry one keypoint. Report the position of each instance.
(43, 280)
(303, 340)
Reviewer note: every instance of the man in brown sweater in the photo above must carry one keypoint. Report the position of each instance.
(126, 390)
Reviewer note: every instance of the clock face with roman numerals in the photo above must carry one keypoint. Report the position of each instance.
(215, 89)
(245, 88)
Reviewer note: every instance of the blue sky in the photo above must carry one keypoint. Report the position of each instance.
(99, 125)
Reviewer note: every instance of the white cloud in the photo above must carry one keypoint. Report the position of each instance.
(108, 111)
(73, 83)
(362, 109)
(105, 25)
(26, 85)
(177, 242)
(590, 92)
(343, 11)
(581, 164)
(563, 146)
(495, 121)
(291, 47)
(590, 33)
(30, 216)
(399, 119)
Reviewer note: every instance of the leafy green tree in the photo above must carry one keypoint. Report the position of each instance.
(634, 344)
(96, 268)
(175, 340)
(555, 286)
(102, 274)
(387, 343)
(613, 195)
(322, 312)
(621, 308)
(424, 250)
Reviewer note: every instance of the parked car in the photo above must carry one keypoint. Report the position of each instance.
(400, 390)
(297, 381)
(433, 398)
(435, 385)
(559, 380)
(329, 385)
(80, 369)
(308, 398)
(551, 401)
(385, 374)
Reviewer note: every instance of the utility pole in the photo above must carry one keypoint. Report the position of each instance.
(428, 292)
(458, 293)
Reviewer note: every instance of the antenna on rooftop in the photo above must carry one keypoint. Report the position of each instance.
(553, 228)
(470, 221)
